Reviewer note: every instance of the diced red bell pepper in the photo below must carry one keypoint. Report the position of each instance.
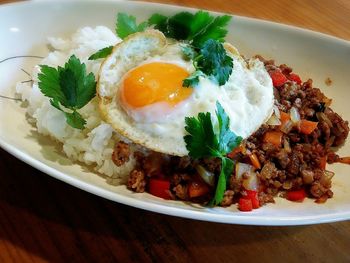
(245, 205)
(297, 195)
(284, 117)
(236, 151)
(160, 188)
(294, 77)
(253, 196)
(273, 137)
(278, 78)
(255, 161)
(307, 127)
(197, 188)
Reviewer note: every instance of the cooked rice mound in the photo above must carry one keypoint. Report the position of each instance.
(95, 144)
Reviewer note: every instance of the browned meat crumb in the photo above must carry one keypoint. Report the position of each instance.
(228, 198)
(137, 181)
(181, 191)
(121, 153)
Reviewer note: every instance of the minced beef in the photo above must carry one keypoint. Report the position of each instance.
(299, 163)
(121, 153)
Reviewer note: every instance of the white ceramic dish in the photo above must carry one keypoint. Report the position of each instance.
(24, 29)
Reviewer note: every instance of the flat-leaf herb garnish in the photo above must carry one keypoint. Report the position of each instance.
(202, 32)
(204, 141)
(69, 89)
(102, 53)
(210, 60)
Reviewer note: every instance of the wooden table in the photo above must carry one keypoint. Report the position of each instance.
(45, 220)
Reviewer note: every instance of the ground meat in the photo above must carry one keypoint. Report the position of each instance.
(318, 190)
(294, 163)
(181, 191)
(308, 176)
(155, 164)
(282, 158)
(228, 198)
(180, 178)
(121, 153)
(137, 181)
(265, 198)
(298, 163)
(268, 171)
(212, 164)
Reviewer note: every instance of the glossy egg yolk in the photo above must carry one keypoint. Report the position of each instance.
(155, 82)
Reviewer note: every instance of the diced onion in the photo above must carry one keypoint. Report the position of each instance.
(242, 168)
(328, 175)
(294, 115)
(273, 121)
(252, 182)
(207, 176)
(276, 111)
(286, 145)
(287, 127)
(321, 116)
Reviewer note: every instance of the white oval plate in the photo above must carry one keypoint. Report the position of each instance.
(24, 29)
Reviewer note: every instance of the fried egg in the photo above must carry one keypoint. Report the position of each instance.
(141, 93)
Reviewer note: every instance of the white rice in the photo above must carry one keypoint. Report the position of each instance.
(93, 145)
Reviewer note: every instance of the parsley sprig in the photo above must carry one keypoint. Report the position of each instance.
(69, 88)
(204, 141)
(203, 33)
(102, 53)
(196, 28)
(210, 60)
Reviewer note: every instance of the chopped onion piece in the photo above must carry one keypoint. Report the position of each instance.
(207, 176)
(273, 121)
(287, 127)
(276, 111)
(326, 179)
(286, 145)
(252, 182)
(321, 116)
(294, 115)
(242, 168)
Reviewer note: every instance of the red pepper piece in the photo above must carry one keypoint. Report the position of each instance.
(307, 127)
(253, 196)
(278, 78)
(159, 188)
(245, 205)
(297, 195)
(197, 188)
(294, 77)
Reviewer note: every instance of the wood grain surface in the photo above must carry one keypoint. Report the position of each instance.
(45, 220)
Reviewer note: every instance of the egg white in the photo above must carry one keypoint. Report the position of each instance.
(247, 97)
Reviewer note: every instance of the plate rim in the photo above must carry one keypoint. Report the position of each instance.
(163, 208)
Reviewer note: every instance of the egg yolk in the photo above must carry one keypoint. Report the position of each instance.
(155, 82)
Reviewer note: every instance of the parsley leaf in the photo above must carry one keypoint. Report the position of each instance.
(213, 61)
(196, 28)
(225, 173)
(75, 120)
(193, 79)
(126, 25)
(215, 30)
(188, 52)
(204, 141)
(227, 139)
(102, 53)
(70, 87)
(201, 140)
